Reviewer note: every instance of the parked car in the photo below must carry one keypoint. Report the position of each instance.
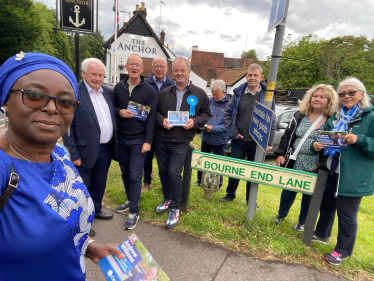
(283, 116)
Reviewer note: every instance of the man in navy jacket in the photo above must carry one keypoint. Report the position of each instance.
(159, 80)
(93, 132)
(238, 116)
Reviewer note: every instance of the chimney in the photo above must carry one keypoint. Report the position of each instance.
(162, 37)
(142, 11)
(195, 48)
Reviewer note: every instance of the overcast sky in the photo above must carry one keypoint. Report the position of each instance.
(220, 26)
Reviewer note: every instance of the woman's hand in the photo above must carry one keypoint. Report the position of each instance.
(318, 147)
(96, 252)
(350, 139)
(280, 161)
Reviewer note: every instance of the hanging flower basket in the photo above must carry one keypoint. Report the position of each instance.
(121, 66)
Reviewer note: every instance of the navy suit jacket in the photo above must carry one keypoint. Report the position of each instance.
(84, 140)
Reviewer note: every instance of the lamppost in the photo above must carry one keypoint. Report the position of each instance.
(127, 13)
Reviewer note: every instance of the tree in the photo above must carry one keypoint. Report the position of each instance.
(298, 67)
(250, 54)
(19, 27)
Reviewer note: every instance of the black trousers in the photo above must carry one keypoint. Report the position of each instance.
(347, 209)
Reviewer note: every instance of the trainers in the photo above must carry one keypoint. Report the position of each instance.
(146, 187)
(316, 238)
(173, 218)
(299, 227)
(278, 220)
(124, 207)
(163, 207)
(226, 199)
(335, 258)
(131, 221)
(196, 183)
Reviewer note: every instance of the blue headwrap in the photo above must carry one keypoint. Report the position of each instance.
(24, 63)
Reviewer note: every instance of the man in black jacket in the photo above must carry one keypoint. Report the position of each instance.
(172, 142)
(159, 80)
(134, 135)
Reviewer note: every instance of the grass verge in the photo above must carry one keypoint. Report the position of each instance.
(226, 225)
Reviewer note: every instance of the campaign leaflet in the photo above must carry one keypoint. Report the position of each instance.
(138, 110)
(178, 118)
(332, 139)
(138, 264)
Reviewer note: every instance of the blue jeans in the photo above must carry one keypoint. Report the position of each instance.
(217, 149)
(131, 160)
(95, 178)
(240, 149)
(287, 199)
(148, 163)
(170, 159)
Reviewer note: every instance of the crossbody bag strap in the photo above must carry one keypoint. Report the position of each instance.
(297, 150)
(12, 185)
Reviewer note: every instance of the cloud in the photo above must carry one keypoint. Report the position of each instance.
(229, 38)
(192, 32)
(228, 12)
(206, 31)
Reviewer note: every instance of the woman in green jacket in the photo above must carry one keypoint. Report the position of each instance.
(351, 170)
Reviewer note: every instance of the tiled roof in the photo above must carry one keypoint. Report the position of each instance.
(234, 63)
(207, 59)
(230, 76)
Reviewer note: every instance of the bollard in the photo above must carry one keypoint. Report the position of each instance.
(314, 206)
(210, 184)
(187, 172)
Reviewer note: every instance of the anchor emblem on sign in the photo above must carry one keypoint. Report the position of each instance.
(76, 23)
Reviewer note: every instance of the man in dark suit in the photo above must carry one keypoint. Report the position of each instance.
(92, 138)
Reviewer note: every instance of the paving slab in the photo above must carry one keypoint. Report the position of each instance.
(187, 258)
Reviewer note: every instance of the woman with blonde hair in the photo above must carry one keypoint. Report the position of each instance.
(350, 170)
(294, 148)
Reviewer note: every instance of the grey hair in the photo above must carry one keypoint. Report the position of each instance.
(255, 66)
(87, 62)
(127, 61)
(184, 59)
(219, 84)
(353, 81)
(153, 62)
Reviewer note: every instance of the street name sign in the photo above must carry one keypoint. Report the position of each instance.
(294, 180)
(260, 127)
(77, 15)
(276, 14)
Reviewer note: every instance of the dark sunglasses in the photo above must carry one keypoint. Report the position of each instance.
(36, 99)
(350, 93)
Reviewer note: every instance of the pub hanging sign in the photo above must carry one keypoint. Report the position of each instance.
(77, 15)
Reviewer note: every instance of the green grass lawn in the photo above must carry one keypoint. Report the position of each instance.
(226, 225)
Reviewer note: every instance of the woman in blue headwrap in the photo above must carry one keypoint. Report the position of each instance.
(45, 222)
(351, 170)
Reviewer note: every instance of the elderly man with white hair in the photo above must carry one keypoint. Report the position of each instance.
(214, 135)
(92, 138)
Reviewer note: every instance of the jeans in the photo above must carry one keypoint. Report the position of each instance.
(148, 162)
(131, 161)
(170, 159)
(287, 199)
(95, 178)
(240, 149)
(347, 209)
(217, 149)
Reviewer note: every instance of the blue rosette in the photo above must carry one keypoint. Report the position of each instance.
(192, 101)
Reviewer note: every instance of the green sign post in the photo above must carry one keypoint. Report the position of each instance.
(259, 173)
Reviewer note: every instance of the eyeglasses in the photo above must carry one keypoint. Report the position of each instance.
(36, 99)
(137, 65)
(350, 93)
(159, 66)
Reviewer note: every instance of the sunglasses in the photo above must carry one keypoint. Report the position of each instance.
(350, 93)
(36, 99)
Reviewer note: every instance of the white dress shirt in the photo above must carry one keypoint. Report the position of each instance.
(102, 113)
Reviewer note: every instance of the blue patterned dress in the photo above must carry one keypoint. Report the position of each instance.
(45, 224)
